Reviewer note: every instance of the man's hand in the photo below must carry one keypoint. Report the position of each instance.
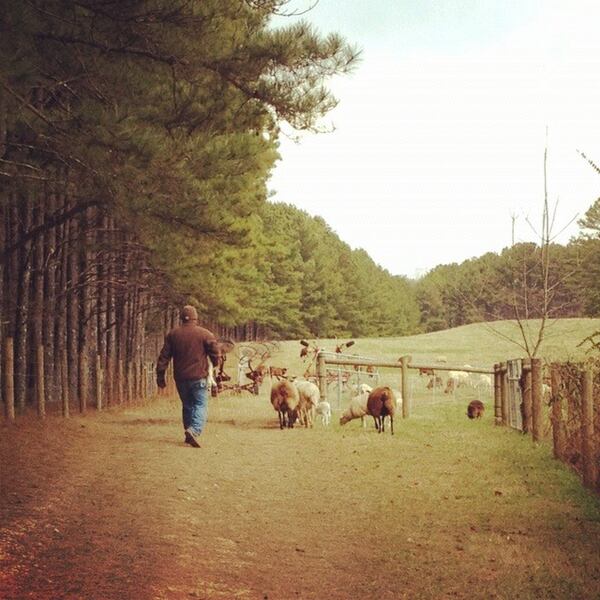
(160, 379)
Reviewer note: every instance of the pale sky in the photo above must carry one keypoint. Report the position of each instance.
(440, 131)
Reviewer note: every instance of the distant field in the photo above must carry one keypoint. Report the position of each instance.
(478, 344)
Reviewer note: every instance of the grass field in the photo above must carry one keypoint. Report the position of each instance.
(478, 344)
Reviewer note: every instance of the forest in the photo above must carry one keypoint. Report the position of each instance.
(136, 143)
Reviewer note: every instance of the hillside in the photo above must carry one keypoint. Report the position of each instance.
(481, 344)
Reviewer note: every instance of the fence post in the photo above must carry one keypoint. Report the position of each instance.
(536, 399)
(9, 378)
(497, 394)
(322, 375)
(404, 360)
(587, 429)
(39, 384)
(98, 382)
(83, 382)
(526, 392)
(558, 431)
(504, 393)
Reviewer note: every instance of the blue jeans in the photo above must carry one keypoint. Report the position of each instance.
(194, 400)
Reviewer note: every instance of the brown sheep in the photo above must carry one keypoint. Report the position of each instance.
(278, 372)
(380, 404)
(285, 398)
(475, 409)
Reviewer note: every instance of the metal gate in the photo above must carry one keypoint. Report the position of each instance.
(514, 416)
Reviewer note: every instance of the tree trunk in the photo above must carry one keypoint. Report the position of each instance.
(23, 212)
(49, 315)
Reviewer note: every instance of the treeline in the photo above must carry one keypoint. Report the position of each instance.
(513, 284)
(315, 285)
(136, 139)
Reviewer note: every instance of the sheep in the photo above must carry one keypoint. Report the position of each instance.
(309, 396)
(362, 388)
(279, 372)
(380, 404)
(455, 379)
(481, 381)
(285, 399)
(398, 396)
(475, 409)
(435, 381)
(324, 411)
(357, 409)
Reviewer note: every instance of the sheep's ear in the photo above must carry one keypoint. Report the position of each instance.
(304, 342)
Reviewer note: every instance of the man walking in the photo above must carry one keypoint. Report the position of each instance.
(191, 347)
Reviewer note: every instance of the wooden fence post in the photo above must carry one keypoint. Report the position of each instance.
(536, 399)
(587, 429)
(504, 392)
(39, 384)
(497, 394)
(9, 378)
(82, 388)
(322, 376)
(526, 392)
(404, 360)
(558, 425)
(98, 370)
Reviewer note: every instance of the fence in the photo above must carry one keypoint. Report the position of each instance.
(518, 397)
(403, 364)
(575, 419)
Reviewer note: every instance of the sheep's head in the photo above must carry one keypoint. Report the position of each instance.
(344, 419)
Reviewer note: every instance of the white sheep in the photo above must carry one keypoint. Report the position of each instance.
(309, 397)
(357, 409)
(456, 379)
(362, 388)
(398, 396)
(323, 410)
(481, 381)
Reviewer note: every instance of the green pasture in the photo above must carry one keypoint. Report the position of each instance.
(477, 344)
(457, 495)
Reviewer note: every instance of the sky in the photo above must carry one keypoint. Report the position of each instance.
(439, 136)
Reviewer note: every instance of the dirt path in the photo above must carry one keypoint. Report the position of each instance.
(116, 506)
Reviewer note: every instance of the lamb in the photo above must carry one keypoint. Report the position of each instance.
(357, 409)
(398, 396)
(380, 404)
(324, 411)
(285, 399)
(475, 409)
(309, 397)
